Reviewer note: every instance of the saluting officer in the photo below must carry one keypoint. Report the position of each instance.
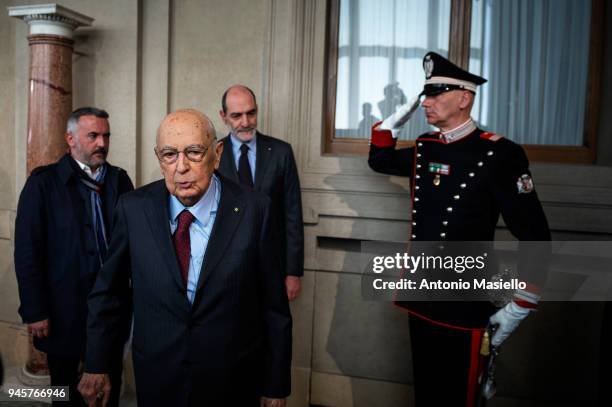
(462, 178)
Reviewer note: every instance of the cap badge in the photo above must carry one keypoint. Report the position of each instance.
(428, 65)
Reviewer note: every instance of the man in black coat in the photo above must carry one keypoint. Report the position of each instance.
(266, 164)
(62, 232)
(211, 317)
(462, 179)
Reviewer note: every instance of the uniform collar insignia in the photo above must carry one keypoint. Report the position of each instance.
(460, 131)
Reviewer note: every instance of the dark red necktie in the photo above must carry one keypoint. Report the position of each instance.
(182, 242)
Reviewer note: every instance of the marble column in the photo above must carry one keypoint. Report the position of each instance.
(50, 82)
(50, 98)
(49, 104)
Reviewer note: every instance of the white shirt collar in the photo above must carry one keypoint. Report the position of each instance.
(87, 170)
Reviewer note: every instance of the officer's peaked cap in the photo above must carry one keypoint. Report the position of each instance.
(441, 75)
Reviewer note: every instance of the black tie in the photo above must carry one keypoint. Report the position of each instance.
(244, 169)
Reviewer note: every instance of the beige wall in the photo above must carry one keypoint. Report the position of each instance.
(143, 58)
(7, 115)
(105, 71)
(217, 43)
(10, 334)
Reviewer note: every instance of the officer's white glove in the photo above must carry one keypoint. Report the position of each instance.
(397, 120)
(507, 319)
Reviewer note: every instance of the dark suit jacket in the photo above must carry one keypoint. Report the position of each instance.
(234, 341)
(56, 259)
(276, 176)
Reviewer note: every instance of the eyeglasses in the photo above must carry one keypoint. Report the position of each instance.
(194, 153)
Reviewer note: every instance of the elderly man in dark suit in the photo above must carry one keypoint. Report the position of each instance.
(62, 232)
(211, 318)
(267, 165)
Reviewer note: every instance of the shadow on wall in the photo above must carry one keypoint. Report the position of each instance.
(367, 339)
(555, 358)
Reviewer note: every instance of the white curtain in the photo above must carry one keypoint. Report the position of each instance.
(380, 50)
(535, 54)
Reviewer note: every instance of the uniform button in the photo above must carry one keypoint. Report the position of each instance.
(442, 235)
(418, 176)
(480, 163)
(417, 187)
(463, 185)
(414, 236)
(489, 153)
(418, 155)
(471, 174)
(456, 197)
(414, 211)
(420, 144)
(416, 199)
(413, 223)
(444, 222)
(418, 165)
(449, 209)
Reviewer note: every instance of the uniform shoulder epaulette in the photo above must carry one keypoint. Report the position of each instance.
(491, 136)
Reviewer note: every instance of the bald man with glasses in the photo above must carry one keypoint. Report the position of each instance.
(211, 317)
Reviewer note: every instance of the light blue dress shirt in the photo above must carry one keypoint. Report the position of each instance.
(251, 155)
(204, 211)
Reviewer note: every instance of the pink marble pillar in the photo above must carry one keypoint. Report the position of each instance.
(50, 99)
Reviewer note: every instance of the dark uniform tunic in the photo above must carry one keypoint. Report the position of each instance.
(458, 188)
(478, 183)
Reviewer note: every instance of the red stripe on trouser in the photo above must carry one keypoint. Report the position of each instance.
(475, 367)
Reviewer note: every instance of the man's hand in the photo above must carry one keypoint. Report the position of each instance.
(95, 389)
(507, 319)
(39, 329)
(266, 402)
(293, 285)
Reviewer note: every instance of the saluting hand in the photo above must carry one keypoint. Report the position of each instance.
(95, 389)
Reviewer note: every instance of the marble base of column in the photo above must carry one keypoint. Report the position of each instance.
(35, 372)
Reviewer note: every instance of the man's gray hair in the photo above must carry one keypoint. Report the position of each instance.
(72, 126)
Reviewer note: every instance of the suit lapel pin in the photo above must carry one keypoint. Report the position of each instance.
(236, 209)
